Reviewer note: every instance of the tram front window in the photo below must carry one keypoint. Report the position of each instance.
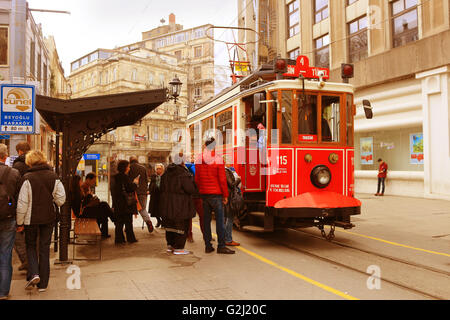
(331, 120)
(307, 118)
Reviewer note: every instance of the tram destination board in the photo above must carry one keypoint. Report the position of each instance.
(17, 109)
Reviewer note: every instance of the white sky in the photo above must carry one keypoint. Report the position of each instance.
(96, 24)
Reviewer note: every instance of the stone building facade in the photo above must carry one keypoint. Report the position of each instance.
(400, 51)
(25, 59)
(105, 72)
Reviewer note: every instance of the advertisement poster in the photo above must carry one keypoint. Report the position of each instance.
(367, 150)
(416, 148)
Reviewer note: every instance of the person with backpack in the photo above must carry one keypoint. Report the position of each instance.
(41, 189)
(22, 149)
(9, 184)
(233, 205)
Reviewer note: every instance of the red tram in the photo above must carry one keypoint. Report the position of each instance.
(289, 135)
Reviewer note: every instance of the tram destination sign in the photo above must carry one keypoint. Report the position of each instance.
(17, 109)
(302, 68)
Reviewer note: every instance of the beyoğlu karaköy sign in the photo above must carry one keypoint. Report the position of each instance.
(17, 108)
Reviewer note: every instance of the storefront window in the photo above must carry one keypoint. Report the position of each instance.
(401, 149)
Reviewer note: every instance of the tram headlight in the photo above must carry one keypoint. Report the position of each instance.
(321, 176)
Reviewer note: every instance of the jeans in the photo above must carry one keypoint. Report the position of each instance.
(381, 183)
(144, 213)
(229, 227)
(198, 203)
(7, 237)
(20, 247)
(213, 203)
(39, 266)
(127, 221)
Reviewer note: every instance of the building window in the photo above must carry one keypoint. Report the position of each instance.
(349, 2)
(155, 133)
(4, 45)
(358, 39)
(150, 78)
(198, 52)
(115, 74)
(166, 134)
(294, 54)
(197, 73)
(198, 92)
(404, 20)
(322, 52)
(162, 80)
(294, 18)
(92, 79)
(320, 10)
(39, 67)
(32, 58)
(45, 79)
(178, 54)
(100, 75)
(134, 75)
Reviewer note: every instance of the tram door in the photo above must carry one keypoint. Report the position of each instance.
(255, 143)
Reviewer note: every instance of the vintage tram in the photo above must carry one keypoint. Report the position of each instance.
(289, 135)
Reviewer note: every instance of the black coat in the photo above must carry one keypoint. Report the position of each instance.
(153, 207)
(122, 182)
(20, 165)
(177, 188)
(137, 169)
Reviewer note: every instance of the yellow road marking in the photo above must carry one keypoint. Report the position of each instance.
(396, 244)
(292, 273)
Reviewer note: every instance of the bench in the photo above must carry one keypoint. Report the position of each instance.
(87, 232)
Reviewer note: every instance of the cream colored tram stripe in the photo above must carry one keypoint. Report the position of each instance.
(292, 273)
(396, 244)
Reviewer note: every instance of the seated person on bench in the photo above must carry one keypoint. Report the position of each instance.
(85, 204)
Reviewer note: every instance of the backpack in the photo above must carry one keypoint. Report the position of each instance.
(7, 202)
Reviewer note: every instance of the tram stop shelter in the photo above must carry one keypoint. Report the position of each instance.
(80, 122)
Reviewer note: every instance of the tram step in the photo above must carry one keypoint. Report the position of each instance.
(253, 229)
(257, 214)
(345, 225)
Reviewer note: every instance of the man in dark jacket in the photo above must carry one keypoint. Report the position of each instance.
(9, 178)
(22, 149)
(137, 170)
(212, 184)
(176, 206)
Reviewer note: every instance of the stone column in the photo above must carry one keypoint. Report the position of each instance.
(436, 131)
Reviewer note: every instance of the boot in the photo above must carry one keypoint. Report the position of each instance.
(150, 227)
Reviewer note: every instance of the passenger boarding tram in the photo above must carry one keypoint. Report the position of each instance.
(289, 135)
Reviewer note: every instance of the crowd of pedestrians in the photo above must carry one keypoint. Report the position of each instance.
(31, 191)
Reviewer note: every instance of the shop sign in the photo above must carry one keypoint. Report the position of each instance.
(17, 109)
(366, 150)
(416, 148)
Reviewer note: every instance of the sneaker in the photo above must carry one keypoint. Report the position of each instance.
(34, 281)
(233, 244)
(170, 248)
(225, 250)
(209, 249)
(181, 251)
(150, 227)
(42, 289)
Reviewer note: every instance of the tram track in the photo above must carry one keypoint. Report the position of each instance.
(417, 265)
(390, 280)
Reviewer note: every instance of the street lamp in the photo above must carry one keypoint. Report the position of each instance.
(174, 89)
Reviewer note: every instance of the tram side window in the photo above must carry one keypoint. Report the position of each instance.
(207, 126)
(274, 114)
(224, 122)
(307, 118)
(286, 118)
(350, 139)
(331, 120)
